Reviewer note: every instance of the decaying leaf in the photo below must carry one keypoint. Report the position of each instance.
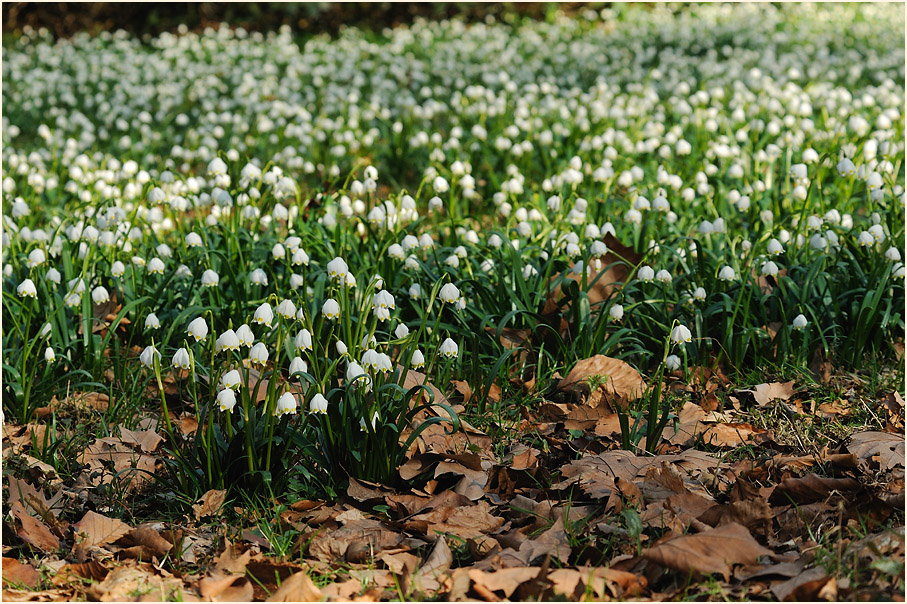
(33, 531)
(766, 393)
(298, 588)
(96, 529)
(882, 448)
(713, 551)
(617, 378)
(209, 504)
(15, 573)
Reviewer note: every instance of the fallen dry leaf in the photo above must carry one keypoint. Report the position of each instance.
(130, 584)
(811, 488)
(713, 551)
(619, 379)
(33, 531)
(144, 543)
(766, 393)
(95, 529)
(298, 588)
(209, 504)
(226, 588)
(15, 573)
(882, 448)
(505, 580)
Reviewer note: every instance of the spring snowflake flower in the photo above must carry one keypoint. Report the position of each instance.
(396, 252)
(36, 258)
(846, 168)
(866, 239)
(440, 185)
(401, 331)
(331, 309)
(147, 356)
(415, 291)
(181, 359)
(54, 276)
(297, 365)
(699, 294)
(245, 336)
(448, 349)
(775, 248)
(27, 289)
(117, 269)
(232, 380)
(893, 254)
(259, 354)
(210, 278)
(286, 404)
(278, 251)
(799, 322)
(418, 359)
(194, 240)
(263, 315)
(73, 299)
(877, 232)
(411, 263)
(49, 355)
(672, 363)
(681, 334)
(303, 340)
(300, 258)
(357, 376)
(337, 269)
(663, 276)
(362, 425)
(258, 277)
(770, 269)
(226, 398)
(198, 329)
(156, 266)
(616, 312)
(645, 274)
(726, 274)
(341, 347)
(449, 293)
(217, 167)
(287, 309)
(318, 404)
(228, 340)
(370, 359)
(152, 322)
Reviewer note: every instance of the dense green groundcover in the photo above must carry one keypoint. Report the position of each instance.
(280, 234)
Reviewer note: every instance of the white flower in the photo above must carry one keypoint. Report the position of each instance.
(156, 266)
(646, 274)
(866, 239)
(194, 240)
(72, 299)
(663, 276)
(415, 291)
(210, 278)
(304, 340)
(396, 252)
(27, 289)
(297, 365)
(383, 299)
(726, 274)
(318, 404)
(448, 349)
(278, 251)
(893, 254)
(699, 294)
(231, 379)
(846, 168)
(362, 425)
(401, 331)
(331, 309)
(775, 248)
(151, 321)
(449, 293)
(672, 363)
(418, 360)
(49, 355)
(337, 269)
(616, 312)
(681, 334)
(36, 258)
(263, 315)
(300, 258)
(440, 185)
(100, 295)
(357, 376)
(259, 354)
(217, 167)
(53, 275)
(245, 336)
(227, 341)
(198, 329)
(799, 322)
(226, 398)
(874, 181)
(258, 277)
(287, 309)
(181, 359)
(877, 232)
(770, 268)
(147, 356)
(341, 347)
(286, 404)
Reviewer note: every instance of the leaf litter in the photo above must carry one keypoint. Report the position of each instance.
(560, 515)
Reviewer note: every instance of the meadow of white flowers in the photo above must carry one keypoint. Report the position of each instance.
(333, 209)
